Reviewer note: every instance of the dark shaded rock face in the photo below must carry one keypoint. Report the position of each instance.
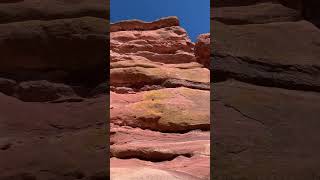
(309, 9)
(224, 3)
(54, 55)
(266, 75)
(72, 46)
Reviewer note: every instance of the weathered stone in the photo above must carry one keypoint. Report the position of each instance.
(24, 10)
(40, 91)
(133, 25)
(254, 58)
(159, 90)
(167, 110)
(255, 14)
(69, 45)
(7, 86)
(202, 50)
(258, 130)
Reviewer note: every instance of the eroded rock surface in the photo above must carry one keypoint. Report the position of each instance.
(159, 108)
(265, 68)
(52, 98)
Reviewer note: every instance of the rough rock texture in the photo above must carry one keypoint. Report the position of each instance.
(159, 108)
(71, 48)
(53, 64)
(131, 25)
(23, 10)
(255, 14)
(265, 68)
(202, 50)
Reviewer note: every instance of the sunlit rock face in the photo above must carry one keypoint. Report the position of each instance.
(159, 108)
(202, 49)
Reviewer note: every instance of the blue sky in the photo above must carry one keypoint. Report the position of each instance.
(194, 15)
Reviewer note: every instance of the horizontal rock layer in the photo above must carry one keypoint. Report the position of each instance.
(131, 25)
(260, 61)
(23, 10)
(255, 14)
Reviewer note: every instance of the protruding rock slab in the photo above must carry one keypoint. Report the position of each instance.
(133, 25)
(167, 40)
(67, 45)
(168, 110)
(255, 14)
(41, 91)
(253, 41)
(137, 76)
(246, 53)
(128, 143)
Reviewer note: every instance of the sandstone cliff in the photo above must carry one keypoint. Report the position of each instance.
(159, 108)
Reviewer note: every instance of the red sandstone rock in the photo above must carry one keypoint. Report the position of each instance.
(169, 110)
(158, 91)
(178, 169)
(163, 41)
(131, 25)
(154, 146)
(202, 50)
(152, 56)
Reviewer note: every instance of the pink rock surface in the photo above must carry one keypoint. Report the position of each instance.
(159, 103)
(179, 169)
(168, 110)
(156, 146)
(164, 40)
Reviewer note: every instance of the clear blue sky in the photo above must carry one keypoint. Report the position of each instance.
(194, 15)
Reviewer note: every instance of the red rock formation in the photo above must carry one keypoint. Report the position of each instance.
(53, 115)
(202, 50)
(131, 25)
(160, 110)
(265, 60)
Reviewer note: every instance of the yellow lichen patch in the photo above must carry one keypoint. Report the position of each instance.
(147, 109)
(173, 115)
(174, 107)
(158, 95)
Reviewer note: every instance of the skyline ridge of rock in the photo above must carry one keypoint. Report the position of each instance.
(136, 24)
